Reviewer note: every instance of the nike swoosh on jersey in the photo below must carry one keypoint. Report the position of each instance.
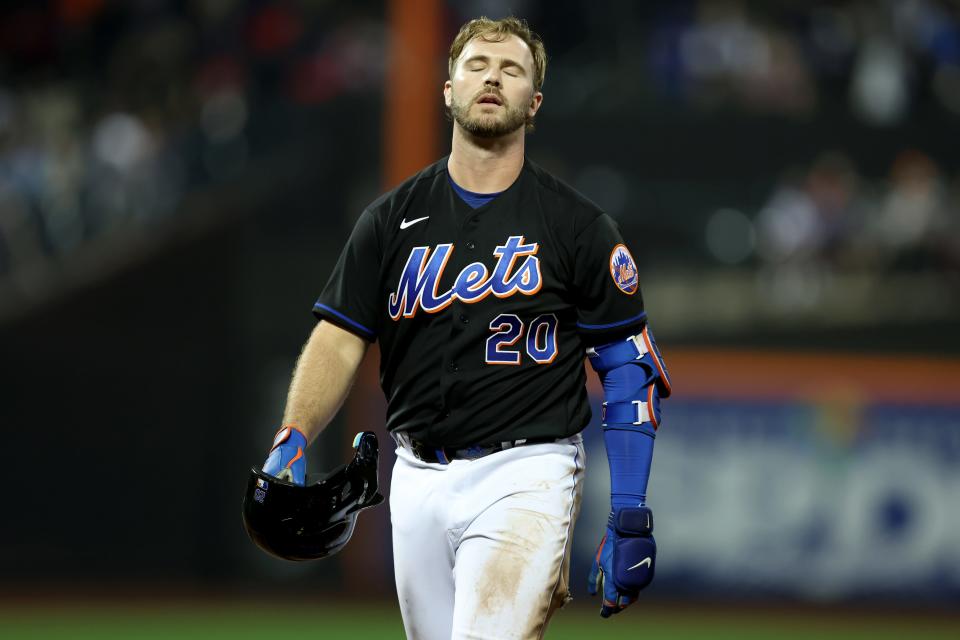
(645, 561)
(404, 224)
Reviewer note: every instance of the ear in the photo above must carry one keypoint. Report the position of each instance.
(448, 93)
(535, 101)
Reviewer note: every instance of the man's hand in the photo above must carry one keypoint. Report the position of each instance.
(286, 460)
(625, 559)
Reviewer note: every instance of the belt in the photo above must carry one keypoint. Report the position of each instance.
(444, 455)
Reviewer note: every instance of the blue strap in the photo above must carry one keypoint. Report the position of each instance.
(614, 354)
(639, 349)
(643, 413)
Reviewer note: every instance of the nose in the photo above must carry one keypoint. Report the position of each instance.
(492, 78)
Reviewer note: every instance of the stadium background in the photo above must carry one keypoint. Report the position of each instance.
(176, 181)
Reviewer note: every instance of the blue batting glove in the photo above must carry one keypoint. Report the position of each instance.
(625, 559)
(286, 460)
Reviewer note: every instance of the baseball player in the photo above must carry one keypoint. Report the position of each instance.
(487, 282)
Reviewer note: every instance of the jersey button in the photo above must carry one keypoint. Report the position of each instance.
(464, 319)
(453, 367)
(471, 245)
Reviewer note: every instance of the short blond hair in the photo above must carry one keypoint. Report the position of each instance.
(497, 31)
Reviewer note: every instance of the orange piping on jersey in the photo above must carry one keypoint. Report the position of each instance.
(400, 299)
(536, 337)
(527, 256)
(483, 295)
(539, 280)
(436, 283)
(556, 349)
(513, 259)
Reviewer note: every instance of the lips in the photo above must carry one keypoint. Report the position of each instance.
(490, 98)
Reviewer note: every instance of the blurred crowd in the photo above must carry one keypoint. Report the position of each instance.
(828, 216)
(885, 66)
(827, 220)
(884, 59)
(831, 215)
(112, 112)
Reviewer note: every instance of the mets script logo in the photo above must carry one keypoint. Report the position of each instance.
(624, 270)
(418, 284)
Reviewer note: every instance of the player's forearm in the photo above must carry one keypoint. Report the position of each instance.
(322, 378)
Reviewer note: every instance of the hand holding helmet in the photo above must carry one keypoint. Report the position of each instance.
(314, 519)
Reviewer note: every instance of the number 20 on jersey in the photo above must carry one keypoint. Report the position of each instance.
(540, 343)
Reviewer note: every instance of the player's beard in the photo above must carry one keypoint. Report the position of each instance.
(487, 126)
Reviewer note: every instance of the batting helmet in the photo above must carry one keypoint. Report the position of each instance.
(317, 519)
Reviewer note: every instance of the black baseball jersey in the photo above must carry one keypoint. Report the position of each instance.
(483, 315)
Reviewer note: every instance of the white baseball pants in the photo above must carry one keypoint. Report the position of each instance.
(482, 547)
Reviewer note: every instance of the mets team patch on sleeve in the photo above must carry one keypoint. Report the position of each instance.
(623, 270)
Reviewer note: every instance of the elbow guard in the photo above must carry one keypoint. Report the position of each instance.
(634, 379)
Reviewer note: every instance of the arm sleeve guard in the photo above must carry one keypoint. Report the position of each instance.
(634, 378)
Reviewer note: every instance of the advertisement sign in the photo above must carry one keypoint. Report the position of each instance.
(785, 487)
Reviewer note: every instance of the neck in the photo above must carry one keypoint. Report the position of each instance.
(485, 165)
